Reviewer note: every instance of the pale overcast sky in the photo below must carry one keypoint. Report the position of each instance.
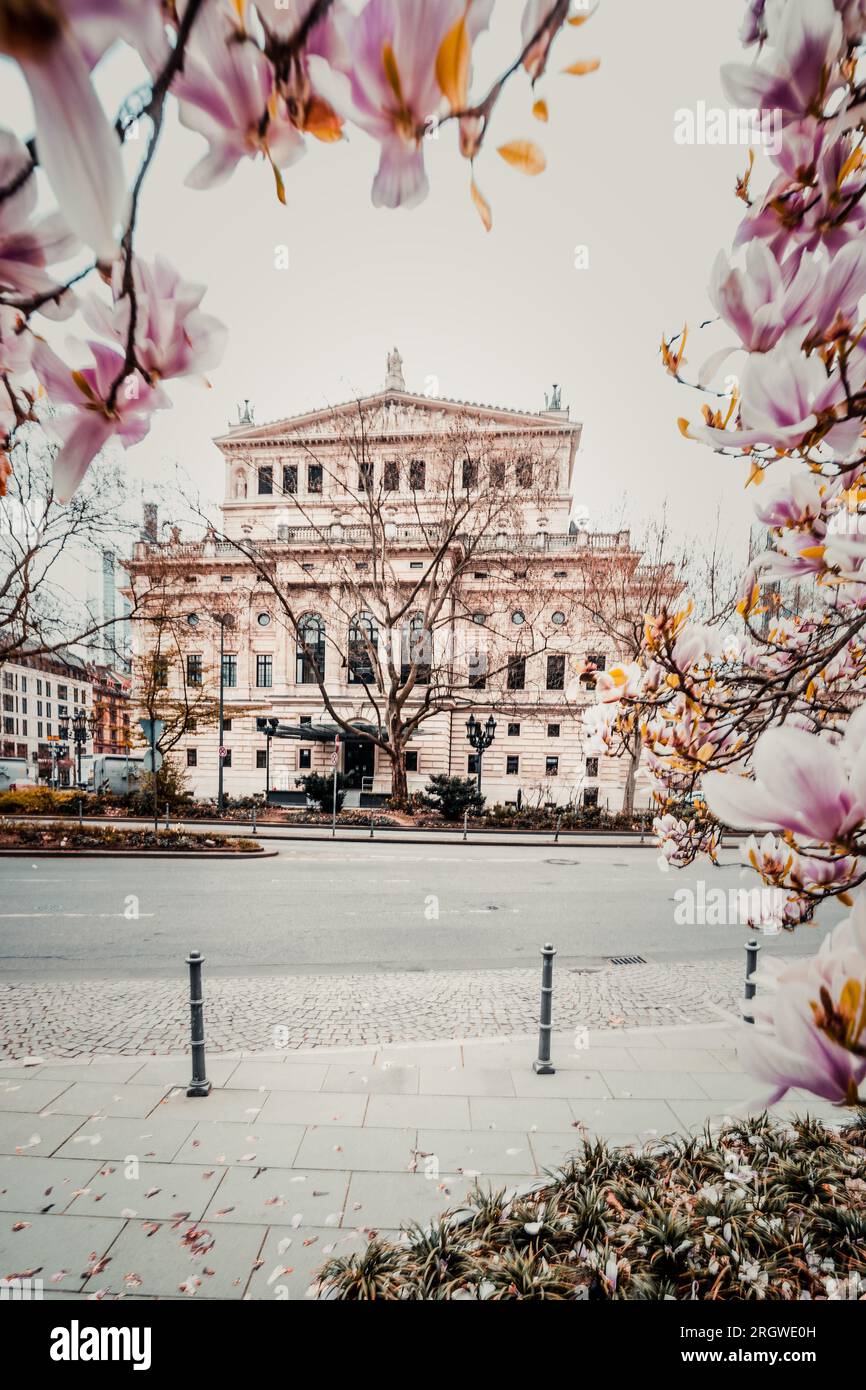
(492, 317)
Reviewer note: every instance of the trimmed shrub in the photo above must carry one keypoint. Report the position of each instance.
(452, 796)
(320, 790)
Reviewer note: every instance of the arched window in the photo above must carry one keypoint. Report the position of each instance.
(311, 650)
(363, 640)
(417, 646)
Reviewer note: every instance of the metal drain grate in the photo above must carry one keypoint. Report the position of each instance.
(626, 960)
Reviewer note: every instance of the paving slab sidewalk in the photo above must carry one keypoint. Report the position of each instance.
(114, 1183)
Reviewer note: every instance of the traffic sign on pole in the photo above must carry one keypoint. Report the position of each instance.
(152, 729)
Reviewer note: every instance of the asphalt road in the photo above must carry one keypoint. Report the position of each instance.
(364, 906)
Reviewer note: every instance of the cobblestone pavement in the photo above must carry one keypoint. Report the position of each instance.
(71, 1019)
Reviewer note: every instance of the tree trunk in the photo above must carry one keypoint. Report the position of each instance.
(399, 782)
(634, 760)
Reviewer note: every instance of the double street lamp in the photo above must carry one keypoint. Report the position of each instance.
(83, 726)
(267, 726)
(480, 736)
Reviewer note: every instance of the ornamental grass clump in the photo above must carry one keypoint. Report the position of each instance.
(757, 1210)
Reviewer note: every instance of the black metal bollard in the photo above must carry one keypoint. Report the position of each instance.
(167, 826)
(543, 1065)
(465, 823)
(372, 818)
(558, 828)
(199, 1085)
(255, 832)
(80, 812)
(752, 949)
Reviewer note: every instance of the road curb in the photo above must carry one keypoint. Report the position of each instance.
(43, 853)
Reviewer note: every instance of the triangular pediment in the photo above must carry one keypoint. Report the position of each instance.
(392, 413)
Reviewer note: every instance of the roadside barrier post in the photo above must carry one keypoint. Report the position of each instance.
(80, 812)
(465, 821)
(372, 818)
(752, 949)
(255, 832)
(199, 1085)
(543, 1065)
(558, 828)
(166, 816)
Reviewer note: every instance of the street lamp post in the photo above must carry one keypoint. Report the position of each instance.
(480, 737)
(268, 727)
(82, 727)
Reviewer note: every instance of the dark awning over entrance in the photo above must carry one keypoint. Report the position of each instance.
(327, 733)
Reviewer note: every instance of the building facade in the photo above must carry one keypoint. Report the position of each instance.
(37, 693)
(453, 516)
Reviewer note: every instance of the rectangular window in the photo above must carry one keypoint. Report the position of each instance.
(39, 729)
(290, 478)
(230, 670)
(523, 472)
(516, 672)
(553, 730)
(63, 692)
(512, 765)
(305, 757)
(470, 474)
(264, 670)
(551, 767)
(193, 670)
(227, 760)
(596, 659)
(227, 723)
(38, 687)
(391, 475)
(192, 757)
(306, 720)
(592, 767)
(417, 475)
(160, 672)
(365, 477)
(47, 687)
(412, 761)
(314, 477)
(556, 671)
(590, 796)
(472, 764)
(416, 564)
(477, 670)
(514, 731)
(261, 757)
(497, 474)
(38, 706)
(266, 480)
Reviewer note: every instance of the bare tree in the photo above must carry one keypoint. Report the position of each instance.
(44, 544)
(617, 592)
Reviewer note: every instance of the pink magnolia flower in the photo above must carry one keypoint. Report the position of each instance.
(172, 336)
(396, 83)
(783, 395)
(27, 244)
(77, 146)
(817, 176)
(281, 20)
(806, 40)
(810, 1028)
(226, 93)
(802, 783)
(93, 421)
(15, 345)
(800, 503)
(762, 301)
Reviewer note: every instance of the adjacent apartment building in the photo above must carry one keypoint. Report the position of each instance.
(387, 567)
